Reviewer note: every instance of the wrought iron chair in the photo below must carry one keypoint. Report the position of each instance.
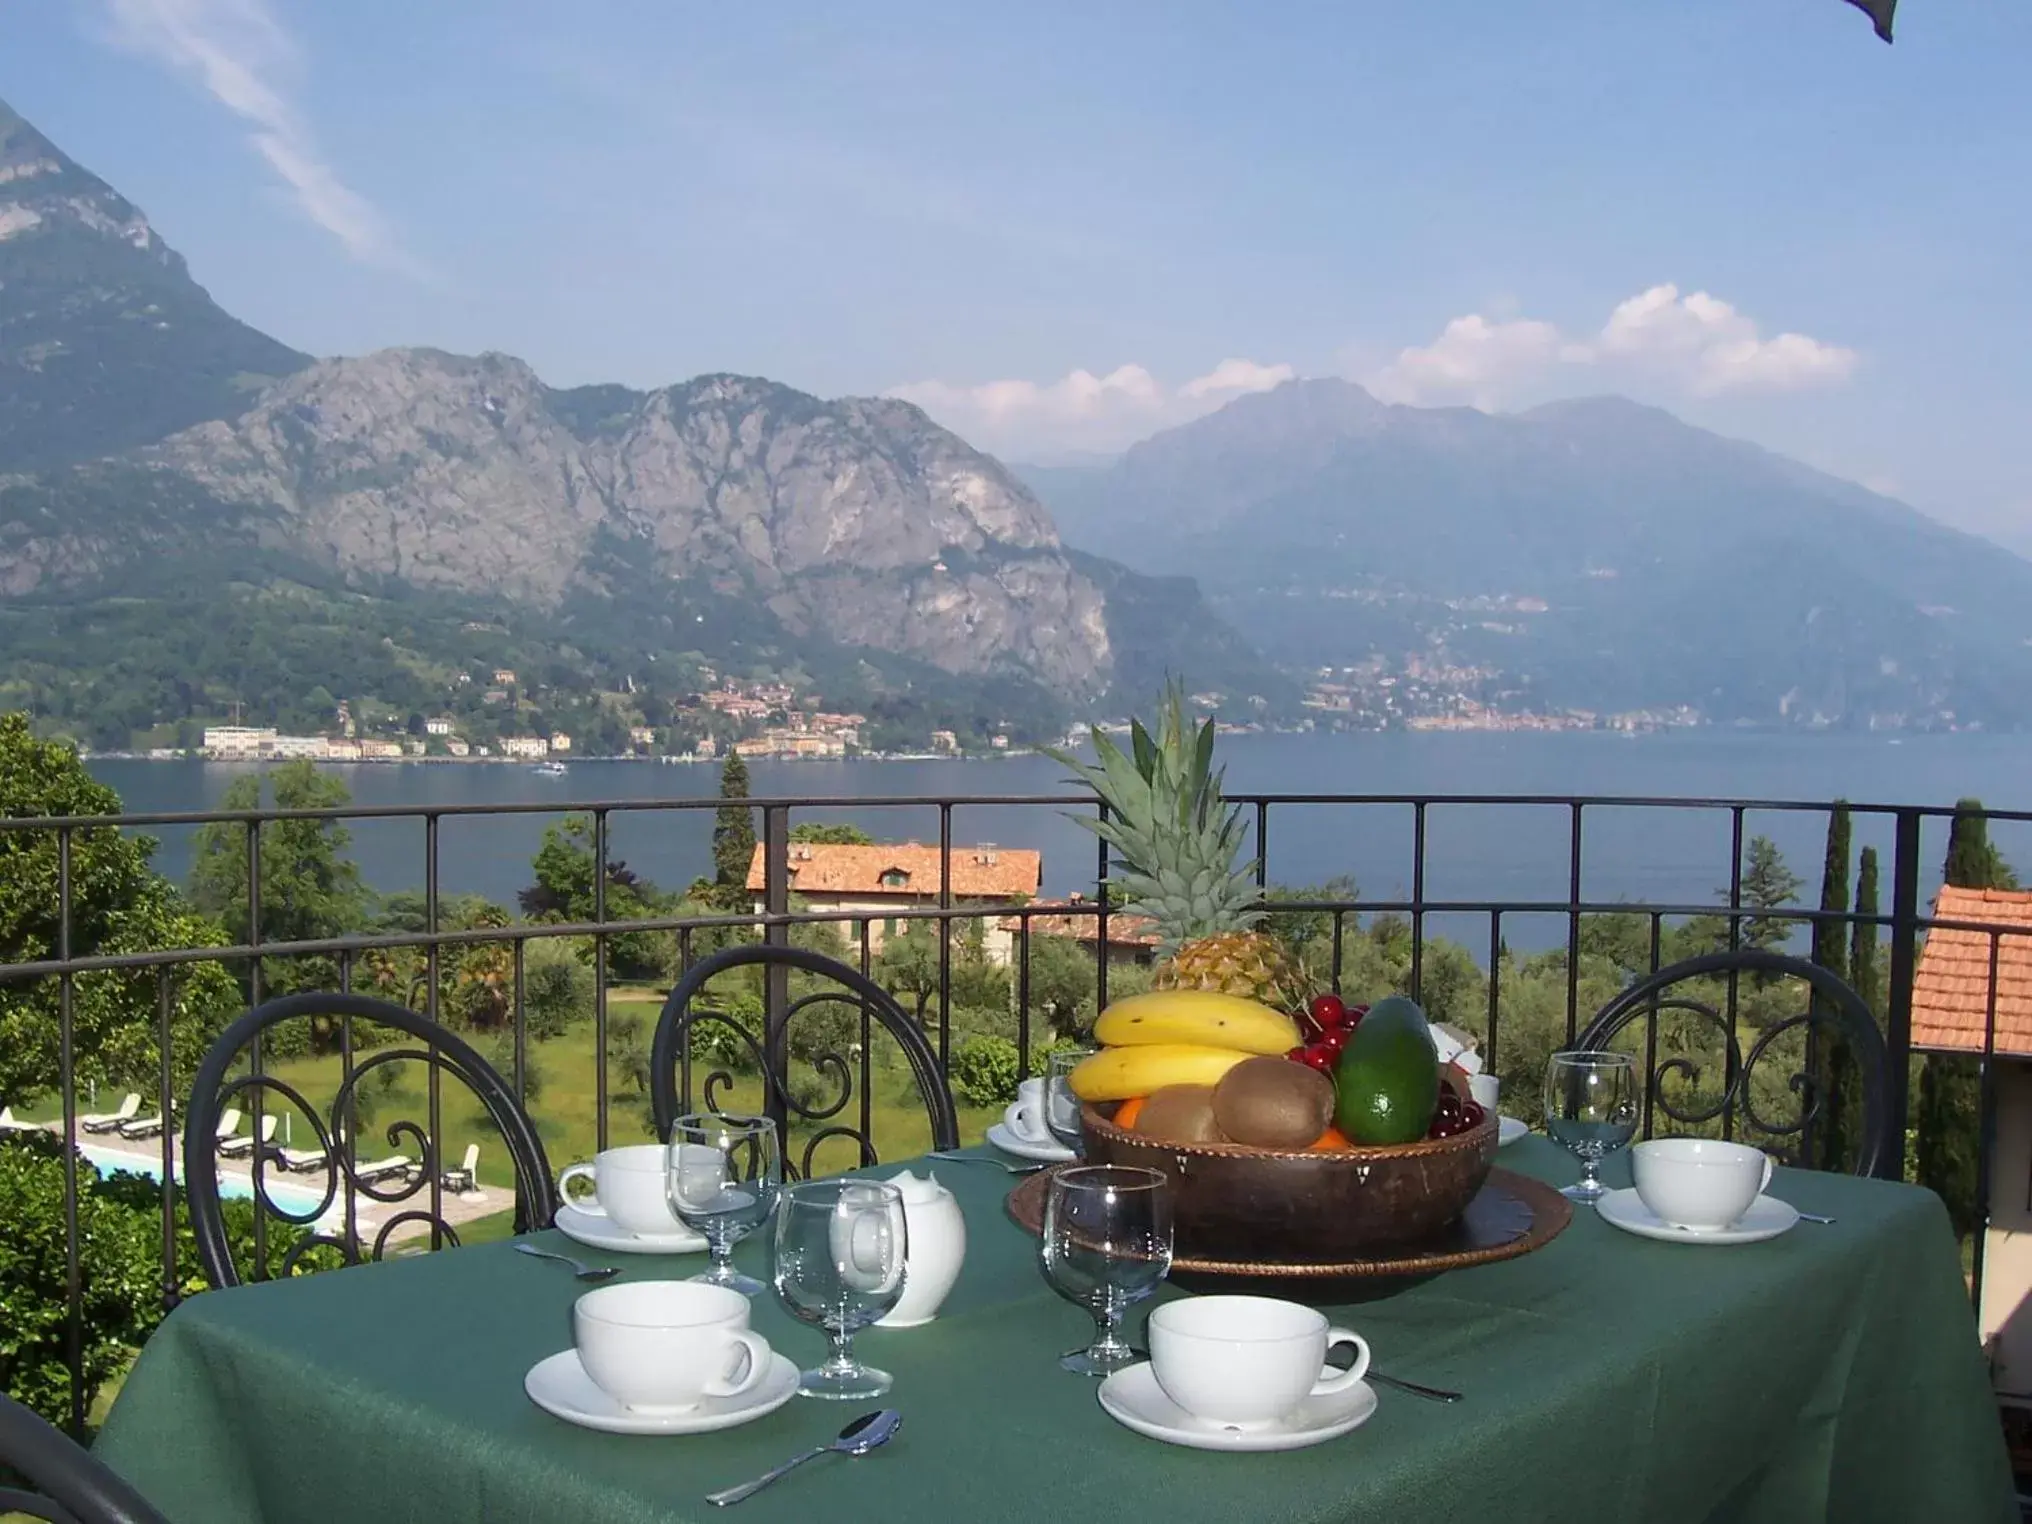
(1836, 1019)
(677, 1051)
(389, 1181)
(64, 1484)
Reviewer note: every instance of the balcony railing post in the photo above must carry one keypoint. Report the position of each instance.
(67, 1080)
(776, 978)
(1101, 926)
(600, 977)
(1904, 963)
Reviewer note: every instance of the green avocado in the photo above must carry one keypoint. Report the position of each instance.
(1387, 1081)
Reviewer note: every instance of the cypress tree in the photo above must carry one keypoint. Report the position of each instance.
(1830, 949)
(733, 832)
(1947, 1122)
(1864, 974)
(1972, 863)
(1829, 944)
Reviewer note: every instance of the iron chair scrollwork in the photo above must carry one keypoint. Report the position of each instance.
(64, 1483)
(1835, 1018)
(331, 1156)
(688, 1013)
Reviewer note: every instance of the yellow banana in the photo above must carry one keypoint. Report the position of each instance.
(1201, 1018)
(1115, 1074)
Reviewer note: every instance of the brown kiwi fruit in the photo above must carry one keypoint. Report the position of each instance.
(1180, 1114)
(1273, 1103)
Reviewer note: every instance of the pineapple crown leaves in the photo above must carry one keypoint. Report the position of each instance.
(1175, 839)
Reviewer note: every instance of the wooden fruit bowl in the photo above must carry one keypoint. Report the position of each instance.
(1231, 1202)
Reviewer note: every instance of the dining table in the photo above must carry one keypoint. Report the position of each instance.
(1830, 1373)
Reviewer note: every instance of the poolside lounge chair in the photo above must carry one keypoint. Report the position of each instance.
(240, 1147)
(147, 1127)
(229, 1123)
(106, 1121)
(465, 1177)
(301, 1160)
(381, 1169)
(7, 1122)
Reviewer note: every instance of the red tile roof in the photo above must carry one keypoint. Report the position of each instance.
(1124, 930)
(978, 872)
(1951, 988)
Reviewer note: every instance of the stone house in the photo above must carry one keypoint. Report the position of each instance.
(881, 880)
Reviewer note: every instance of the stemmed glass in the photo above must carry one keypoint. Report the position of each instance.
(1061, 1106)
(840, 1251)
(1107, 1244)
(722, 1177)
(1591, 1110)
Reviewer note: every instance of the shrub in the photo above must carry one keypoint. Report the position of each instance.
(120, 1263)
(984, 1071)
(557, 987)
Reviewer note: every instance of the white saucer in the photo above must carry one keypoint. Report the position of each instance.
(1133, 1398)
(1509, 1130)
(1014, 1143)
(598, 1231)
(561, 1387)
(1767, 1218)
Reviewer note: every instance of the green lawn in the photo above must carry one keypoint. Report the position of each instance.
(565, 1102)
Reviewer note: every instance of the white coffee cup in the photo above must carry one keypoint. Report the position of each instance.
(666, 1346)
(1699, 1184)
(628, 1188)
(1025, 1115)
(1483, 1090)
(1245, 1362)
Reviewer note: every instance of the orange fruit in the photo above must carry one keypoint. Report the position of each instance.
(1128, 1111)
(1330, 1139)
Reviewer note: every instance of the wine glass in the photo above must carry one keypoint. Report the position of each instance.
(722, 1178)
(1061, 1106)
(1107, 1244)
(1591, 1110)
(840, 1251)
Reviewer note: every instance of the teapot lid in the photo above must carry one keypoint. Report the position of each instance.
(914, 1187)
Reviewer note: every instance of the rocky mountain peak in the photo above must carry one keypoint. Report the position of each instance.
(42, 190)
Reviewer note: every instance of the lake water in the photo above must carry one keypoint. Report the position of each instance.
(1515, 853)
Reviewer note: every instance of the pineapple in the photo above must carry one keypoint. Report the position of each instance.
(1176, 845)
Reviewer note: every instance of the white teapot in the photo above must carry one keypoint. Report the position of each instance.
(937, 1247)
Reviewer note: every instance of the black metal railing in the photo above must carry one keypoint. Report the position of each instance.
(779, 916)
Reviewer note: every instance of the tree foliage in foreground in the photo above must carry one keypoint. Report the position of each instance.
(118, 904)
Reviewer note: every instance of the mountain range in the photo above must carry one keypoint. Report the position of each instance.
(151, 444)
(194, 515)
(1592, 553)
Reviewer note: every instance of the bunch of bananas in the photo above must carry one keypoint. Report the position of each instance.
(1177, 1037)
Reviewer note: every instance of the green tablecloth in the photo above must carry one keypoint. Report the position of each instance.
(1832, 1373)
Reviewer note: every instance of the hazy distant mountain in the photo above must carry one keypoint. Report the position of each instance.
(105, 340)
(1674, 566)
(728, 516)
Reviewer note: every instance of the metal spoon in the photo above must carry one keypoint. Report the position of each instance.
(1002, 1164)
(1433, 1393)
(857, 1438)
(583, 1272)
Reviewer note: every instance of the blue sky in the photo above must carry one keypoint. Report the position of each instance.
(1062, 226)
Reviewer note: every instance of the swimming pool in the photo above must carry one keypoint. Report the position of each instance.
(285, 1194)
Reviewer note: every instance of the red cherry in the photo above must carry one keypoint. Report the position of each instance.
(1472, 1116)
(1327, 1011)
(1297, 1054)
(1318, 1058)
(1333, 1039)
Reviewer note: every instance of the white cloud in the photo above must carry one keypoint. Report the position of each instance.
(241, 56)
(1231, 378)
(1694, 343)
(1083, 411)
(1473, 360)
